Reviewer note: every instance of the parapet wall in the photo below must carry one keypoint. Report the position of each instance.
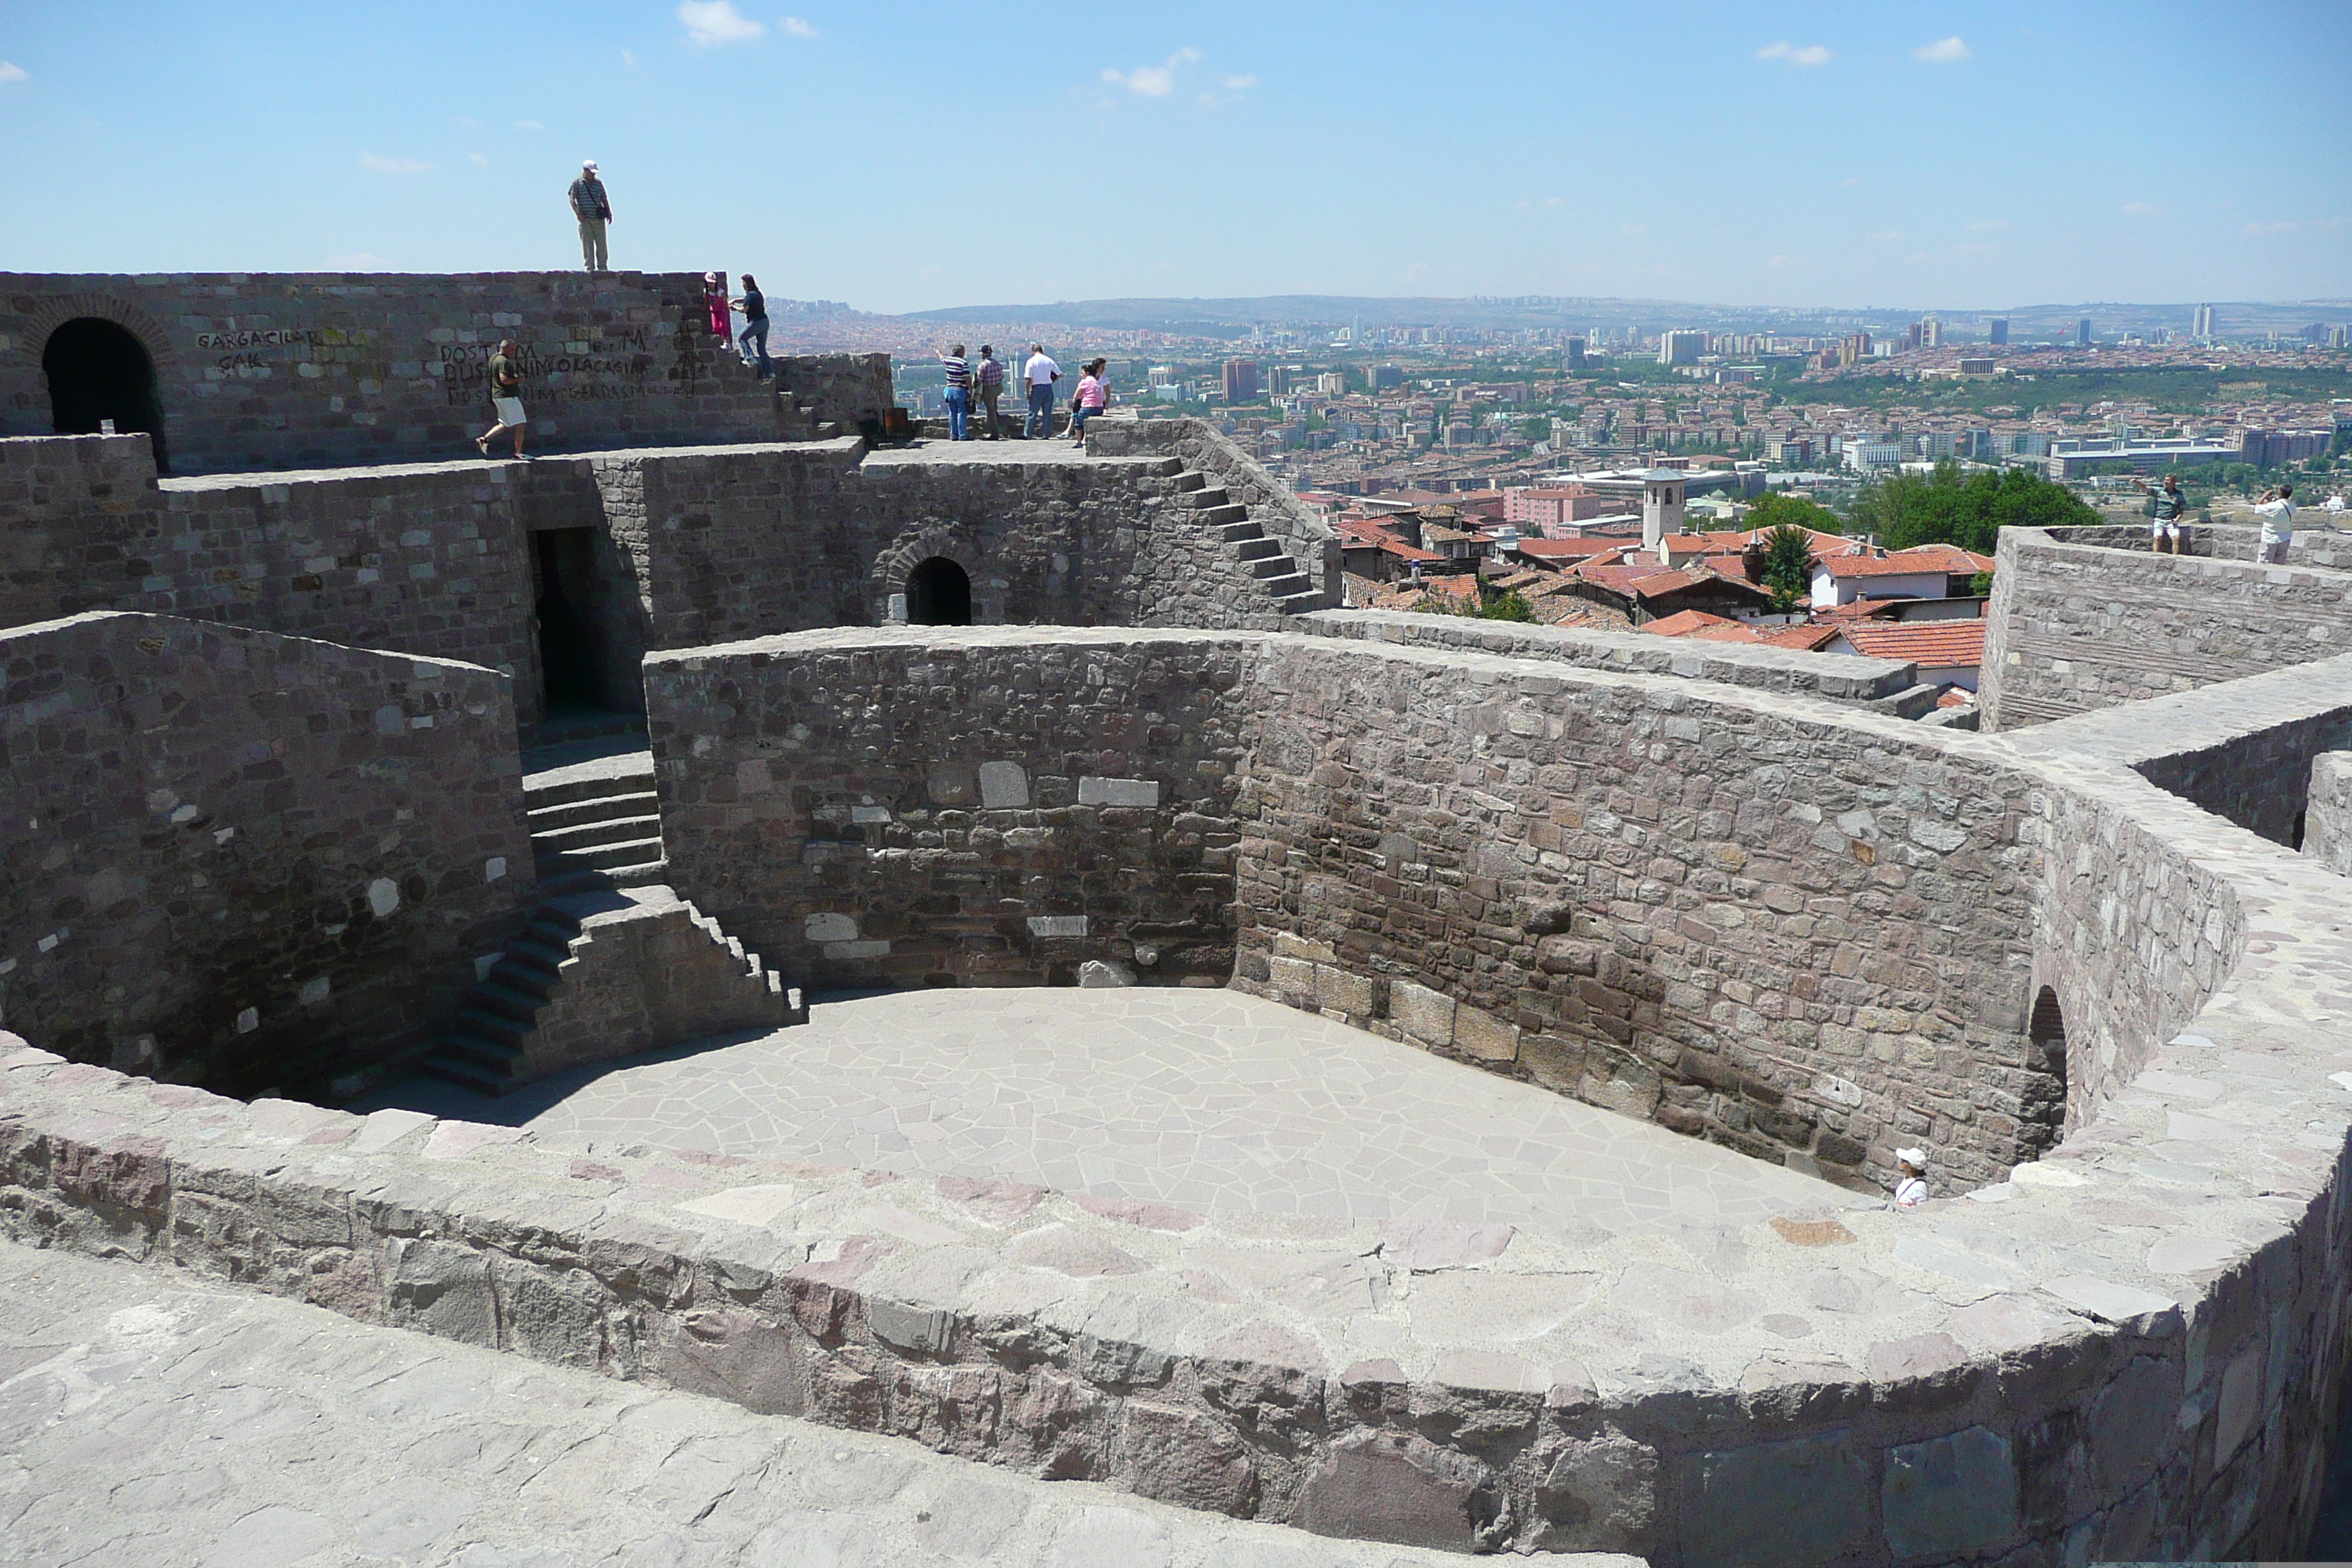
(425, 559)
(1839, 678)
(294, 370)
(247, 860)
(2087, 618)
(2130, 1350)
(1753, 918)
(917, 807)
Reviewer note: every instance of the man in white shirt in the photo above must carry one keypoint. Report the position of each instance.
(1041, 373)
(2277, 509)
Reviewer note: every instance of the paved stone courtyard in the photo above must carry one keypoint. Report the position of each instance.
(1209, 1100)
(151, 1420)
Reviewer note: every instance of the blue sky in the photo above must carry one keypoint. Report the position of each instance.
(915, 155)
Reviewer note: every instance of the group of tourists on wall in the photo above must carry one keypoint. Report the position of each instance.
(985, 380)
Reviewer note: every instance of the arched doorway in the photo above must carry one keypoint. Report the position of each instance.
(938, 593)
(98, 369)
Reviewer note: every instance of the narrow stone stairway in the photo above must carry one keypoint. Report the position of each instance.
(595, 824)
(1254, 554)
(606, 975)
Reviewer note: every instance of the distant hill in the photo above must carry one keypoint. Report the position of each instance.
(1234, 317)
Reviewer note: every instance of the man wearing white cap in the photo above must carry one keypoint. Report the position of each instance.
(593, 209)
(1911, 1189)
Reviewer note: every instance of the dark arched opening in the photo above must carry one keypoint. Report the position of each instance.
(2044, 1099)
(938, 593)
(98, 369)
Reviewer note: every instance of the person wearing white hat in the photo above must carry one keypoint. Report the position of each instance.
(1911, 1189)
(593, 209)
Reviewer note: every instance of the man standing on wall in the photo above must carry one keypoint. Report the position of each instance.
(988, 382)
(506, 397)
(593, 209)
(2164, 527)
(2277, 509)
(1041, 373)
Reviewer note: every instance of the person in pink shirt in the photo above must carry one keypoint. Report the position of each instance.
(1093, 396)
(714, 300)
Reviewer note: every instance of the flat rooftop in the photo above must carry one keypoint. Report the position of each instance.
(1208, 1100)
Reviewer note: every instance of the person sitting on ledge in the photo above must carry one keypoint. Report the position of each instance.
(1911, 1190)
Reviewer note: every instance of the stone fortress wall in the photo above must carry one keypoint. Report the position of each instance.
(2088, 617)
(911, 807)
(2130, 1347)
(291, 370)
(1730, 893)
(252, 860)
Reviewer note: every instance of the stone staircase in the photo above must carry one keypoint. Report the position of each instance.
(603, 975)
(796, 421)
(596, 824)
(1253, 555)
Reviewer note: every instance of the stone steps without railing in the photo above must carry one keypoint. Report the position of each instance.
(489, 1045)
(1256, 555)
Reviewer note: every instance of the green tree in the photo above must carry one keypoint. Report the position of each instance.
(1510, 605)
(1946, 508)
(1788, 567)
(1782, 510)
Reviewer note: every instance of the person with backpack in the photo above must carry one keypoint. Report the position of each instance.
(754, 306)
(593, 209)
(505, 380)
(988, 379)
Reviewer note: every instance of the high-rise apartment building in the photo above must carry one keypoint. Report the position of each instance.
(1931, 333)
(1997, 331)
(1241, 380)
(1575, 354)
(1681, 347)
(2203, 326)
(2083, 333)
(1386, 378)
(1854, 349)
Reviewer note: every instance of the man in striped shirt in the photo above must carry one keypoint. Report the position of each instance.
(958, 395)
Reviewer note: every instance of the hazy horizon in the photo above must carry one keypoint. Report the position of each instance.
(916, 159)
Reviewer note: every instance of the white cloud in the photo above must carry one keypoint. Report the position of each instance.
(529, 125)
(1240, 83)
(1943, 51)
(478, 158)
(470, 122)
(1989, 226)
(2272, 228)
(1796, 54)
(11, 71)
(1787, 263)
(711, 22)
(393, 166)
(627, 58)
(1152, 81)
(1884, 236)
(365, 261)
(798, 28)
(2140, 209)
(1632, 228)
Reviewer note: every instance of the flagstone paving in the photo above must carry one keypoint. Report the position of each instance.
(1208, 1100)
(148, 1419)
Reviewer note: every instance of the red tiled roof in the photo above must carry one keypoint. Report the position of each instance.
(1804, 640)
(1564, 549)
(1685, 623)
(1941, 644)
(1918, 562)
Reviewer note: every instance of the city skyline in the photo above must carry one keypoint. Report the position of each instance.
(1820, 156)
